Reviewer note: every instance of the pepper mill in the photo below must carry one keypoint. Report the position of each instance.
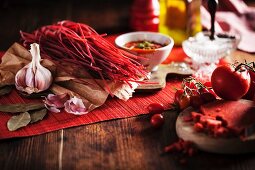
(144, 15)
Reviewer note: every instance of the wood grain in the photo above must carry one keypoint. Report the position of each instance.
(157, 79)
(119, 144)
(240, 56)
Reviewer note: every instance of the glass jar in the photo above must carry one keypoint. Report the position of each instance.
(180, 19)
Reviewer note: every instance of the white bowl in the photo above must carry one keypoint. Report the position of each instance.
(152, 58)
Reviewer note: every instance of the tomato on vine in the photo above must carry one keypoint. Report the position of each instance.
(181, 99)
(230, 82)
(193, 93)
(250, 95)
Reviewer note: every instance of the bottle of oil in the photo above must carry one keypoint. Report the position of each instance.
(180, 19)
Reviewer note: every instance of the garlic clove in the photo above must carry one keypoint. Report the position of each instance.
(19, 78)
(75, 106)
(33, 78)
(42, 73)
(30, 77)
(56, 101)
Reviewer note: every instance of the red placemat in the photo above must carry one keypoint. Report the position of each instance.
(113, 109)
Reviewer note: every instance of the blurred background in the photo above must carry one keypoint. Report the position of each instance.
(105, 16)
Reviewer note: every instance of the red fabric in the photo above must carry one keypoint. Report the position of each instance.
(112, 109)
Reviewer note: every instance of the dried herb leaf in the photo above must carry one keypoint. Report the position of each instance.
(37, 115)
(5, 90)
(21, 107)
(16, 122)
(33, 95)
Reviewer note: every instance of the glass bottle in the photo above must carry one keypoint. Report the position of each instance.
(180, 19)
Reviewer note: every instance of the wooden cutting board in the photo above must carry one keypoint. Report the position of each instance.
(158, 78)
(208, 143)
(240, 56)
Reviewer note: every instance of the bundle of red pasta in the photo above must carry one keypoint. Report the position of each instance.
(72, 61)
(79, 44)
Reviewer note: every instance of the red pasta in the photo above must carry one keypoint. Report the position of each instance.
(80, 44)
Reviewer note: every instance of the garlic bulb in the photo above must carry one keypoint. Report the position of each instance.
(33, 78)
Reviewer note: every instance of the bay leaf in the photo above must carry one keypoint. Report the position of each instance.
(37, 115)
(16, 122)
(33, 95)
(21, 107)
(5, 90)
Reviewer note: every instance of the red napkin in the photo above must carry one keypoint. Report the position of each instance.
(113, 109)
(235, 17)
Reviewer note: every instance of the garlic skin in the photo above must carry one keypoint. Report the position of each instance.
(33, 78)
(55, 102)
(75, 106)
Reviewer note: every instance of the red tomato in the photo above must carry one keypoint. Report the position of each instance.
(208, 84)
(154, 108)
(178, 94)
(230, 84)
(182, 100)
(251, 92)
(191, 85)
(157, 120)
(207, 90)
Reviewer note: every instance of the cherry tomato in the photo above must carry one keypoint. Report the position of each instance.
(181, 100)
(155, 108)
(157, 120)
(178, 94)
(208, 84)
(230, 84)
(191, 85)
(184, 102)
(207, 90)
(251, 92)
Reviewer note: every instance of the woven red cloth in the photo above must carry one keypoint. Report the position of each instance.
(113, 109)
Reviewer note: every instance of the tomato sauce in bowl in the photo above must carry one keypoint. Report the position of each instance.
(147, 45)
(153, 47)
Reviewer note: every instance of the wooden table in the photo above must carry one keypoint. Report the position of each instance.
(119, 144)
(129, 143)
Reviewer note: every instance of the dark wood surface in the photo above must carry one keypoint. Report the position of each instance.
(119, 144)
(128, 143)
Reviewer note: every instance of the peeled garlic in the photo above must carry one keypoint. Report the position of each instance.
(33, 78)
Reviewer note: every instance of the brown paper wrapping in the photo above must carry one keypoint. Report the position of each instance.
(75, 81)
